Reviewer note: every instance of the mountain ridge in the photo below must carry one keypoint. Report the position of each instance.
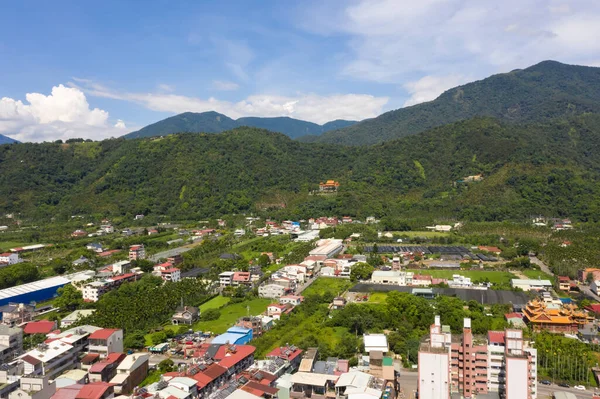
(214, 122)
(539, 93)
(7, 140)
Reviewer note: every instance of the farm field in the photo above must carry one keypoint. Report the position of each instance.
(325, 284)
(214, 303)
(231, 313)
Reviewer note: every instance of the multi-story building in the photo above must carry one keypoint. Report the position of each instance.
(470, 365)
(50, 359)
(226, 279)
(105, 341)
(11, 343)
(9, 258)
(167, 272)
(14, 314)
(271, 291)
(34, 387)
(137, 252)
(131, 372)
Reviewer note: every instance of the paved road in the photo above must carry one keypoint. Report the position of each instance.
(172, 252)
(545, 392)
(408, 383)
(541, 264)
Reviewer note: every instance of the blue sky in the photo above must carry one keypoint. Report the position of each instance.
(102, 69)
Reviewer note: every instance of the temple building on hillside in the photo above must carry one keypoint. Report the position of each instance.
(552, 315)
(330, 186)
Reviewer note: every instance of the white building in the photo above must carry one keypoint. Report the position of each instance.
(11, 343)
(137, 252)
(34, 387)
(9, 258)
(93, 291)
(531, 284)
(105, 341)
(271, 291)
(121, 267)
(392, 277)
(376, 342)
(226, 279)
(595, 286)
(434, 378)
(459, 281)
(50, 359)
(72, 318)
(294, 300)
(328, 248)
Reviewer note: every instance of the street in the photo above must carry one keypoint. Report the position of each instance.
(545, 391)
(172, 252)
(541, 264)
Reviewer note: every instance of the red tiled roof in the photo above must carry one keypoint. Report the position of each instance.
(68, 392)
(90, 358)
(39, 327)
(229, 359)
(280, 352)
(564, 278)
(496, 337)
(93, 390)
(259, 389)
(98, 367)
(513, 316)
(203, 379)
(595, 307)
(421, 277)
(114, 357)
(31, 360)
(171, 270)
(214, 371)
(5, 254)
(109, 253)
(103, 333)
(122, 276)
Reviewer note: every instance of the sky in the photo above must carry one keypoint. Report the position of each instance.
(102, 69)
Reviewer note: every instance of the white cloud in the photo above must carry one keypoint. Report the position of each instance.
(166, 87)
(120, 124)
(225, 85)
(65, 113)
(306, 106)
(392, 41)
(430, 87)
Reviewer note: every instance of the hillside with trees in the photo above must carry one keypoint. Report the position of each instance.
(540, 93)
(214, 122)
(544, 168)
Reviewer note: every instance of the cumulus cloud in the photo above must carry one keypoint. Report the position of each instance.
(392, 41)
(224, 85)
(430, 87)
(306, 106)
(64, 113)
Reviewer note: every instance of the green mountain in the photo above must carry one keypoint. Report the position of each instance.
(548, 168)
(213, 122)
(540, 93)
(6, 140)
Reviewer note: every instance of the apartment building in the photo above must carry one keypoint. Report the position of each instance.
(131, 372)
(105, 341)
(50, 359)
(137, 252)
(471, 365)
(226, 279)
(271, 291)
(11, 343)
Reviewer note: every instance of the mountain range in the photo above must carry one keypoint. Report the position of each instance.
(6, 140)
(214, 122)
(542, 92)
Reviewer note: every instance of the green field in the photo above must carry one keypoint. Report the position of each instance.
(497, 277)
(530, 273)
(231, 313)
(324, 284)
(215, 303)
(6, 245)
(425, 234)
(377, 297)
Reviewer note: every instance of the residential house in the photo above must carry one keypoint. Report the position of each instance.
(185, 315)
(241, 278)
(185, 384)
(130, 373)
(275, 310)
(293, 300)
(595, 286)
(421, 280)
(9, 258)
(376, 343)
(583, 274)
(74, 317)
(122, 267)
(11, 343)
(175, 260)
(226, 279)
(15, 314)
(290, 354)
(40, 327)
(105, 369)
(50, 359)
(564, 283)
(210, 379)
(96, 390)
(34, 387)
(307, 385)
(81, 261)
(235, 358)
(137, 252)
(255, 323)
(95, 247)
(105, 341)
(71, 377)
(338, 302)
(78, 233)
(167, 272)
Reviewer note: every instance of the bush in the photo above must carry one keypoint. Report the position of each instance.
(210, 314)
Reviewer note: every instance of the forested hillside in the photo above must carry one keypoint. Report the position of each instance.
(550, 169)
(539, 93)
(214, 122)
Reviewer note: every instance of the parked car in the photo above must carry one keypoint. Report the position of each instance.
(564, 385)
(545, 382)
(580, 387)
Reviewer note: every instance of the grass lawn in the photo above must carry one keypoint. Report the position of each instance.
(377, 297)
(324, 284)
(536, 274)
(6, 245)
(215, 303)
(230, 314)
(493, 276)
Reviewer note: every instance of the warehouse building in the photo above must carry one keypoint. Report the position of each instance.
(41, 290)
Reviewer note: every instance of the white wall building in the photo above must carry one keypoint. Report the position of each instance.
(392, 277)
(459, 281)
(226, 279)
(531, 284)
(328, 248)
(376, 342)
(271, 291)
(9, 258)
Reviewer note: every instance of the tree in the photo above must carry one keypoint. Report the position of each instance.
(264, 260)
(144, 264)
(361, 271)
(135, 340)
(69, 298)
(210, 314)
(166, 366)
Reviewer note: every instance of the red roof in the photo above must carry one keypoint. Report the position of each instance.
(285, 352)
(496, 337)
(259, 389)
(122, 276)
(90, 358)
(103, 333)
(68, 392)
(203, 379)
(595, 307)
(109, 253)
(5, 254)
(421, 277)
(31, 360)
(229, 359)
(214, 371)
(241, 276)
(93, 390)
(171, 270)
(39, 327)
(564, 278)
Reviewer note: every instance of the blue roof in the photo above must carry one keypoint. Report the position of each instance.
(231, 338)
(566, 300)
(239, 330)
